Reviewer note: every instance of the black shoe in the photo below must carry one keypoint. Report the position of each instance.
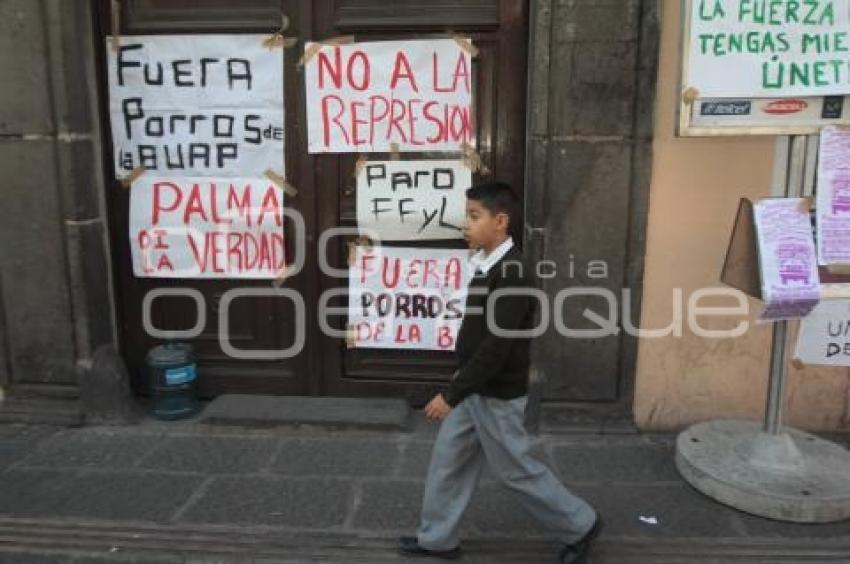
(409, 546)
(577, 552)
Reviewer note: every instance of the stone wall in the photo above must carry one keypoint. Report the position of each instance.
(592, 89)
(55, 305)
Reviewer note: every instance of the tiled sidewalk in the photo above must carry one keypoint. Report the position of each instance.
(188, 492)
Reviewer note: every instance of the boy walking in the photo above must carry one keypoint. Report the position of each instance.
(482, 412)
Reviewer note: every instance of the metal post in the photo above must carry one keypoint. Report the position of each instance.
(794, 163)
(778, 373)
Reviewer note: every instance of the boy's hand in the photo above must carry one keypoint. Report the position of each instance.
(437, 408)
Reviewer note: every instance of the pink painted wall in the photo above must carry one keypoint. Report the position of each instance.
(696, 185)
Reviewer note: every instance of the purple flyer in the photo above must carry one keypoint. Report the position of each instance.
(790, 283)
(833, 197)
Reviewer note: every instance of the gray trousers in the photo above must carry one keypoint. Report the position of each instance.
(483, 427)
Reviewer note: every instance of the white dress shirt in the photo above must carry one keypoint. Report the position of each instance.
(484, 262)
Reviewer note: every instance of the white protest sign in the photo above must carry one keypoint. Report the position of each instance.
(199, 227)
(196, 105)
(405, 298)
(367, 97)
(768, 48)
(789, 275)
(413, 200)
(824, 336)
(833, 197)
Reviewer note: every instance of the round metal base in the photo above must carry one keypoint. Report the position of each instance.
(792, 476)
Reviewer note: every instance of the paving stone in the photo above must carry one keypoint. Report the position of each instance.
(15, 557)
(414, 461)
(840, 438)
(20, 557)
(395, 506)
(389, 505)
(270, 411)
(388, 500)
(98, 495)
(644, 463)
(680, 510)
(143, 559)
(212, 455)
(91, 448)
(11, 452)
(495, 510)
(126, 496)
(31, 493)
(30, 433)
(756, 526)
(318, 503)
(337, 457)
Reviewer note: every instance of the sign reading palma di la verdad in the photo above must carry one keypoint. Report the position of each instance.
(197, 227)
(378, 96)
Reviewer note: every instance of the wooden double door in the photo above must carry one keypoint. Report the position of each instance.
(324, 365)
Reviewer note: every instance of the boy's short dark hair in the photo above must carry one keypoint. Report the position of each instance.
(497, 197)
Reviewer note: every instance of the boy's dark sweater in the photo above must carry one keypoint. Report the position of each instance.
(490, 365)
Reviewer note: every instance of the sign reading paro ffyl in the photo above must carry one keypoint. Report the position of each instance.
(376, 96)
(768, 48)
(196, 105)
